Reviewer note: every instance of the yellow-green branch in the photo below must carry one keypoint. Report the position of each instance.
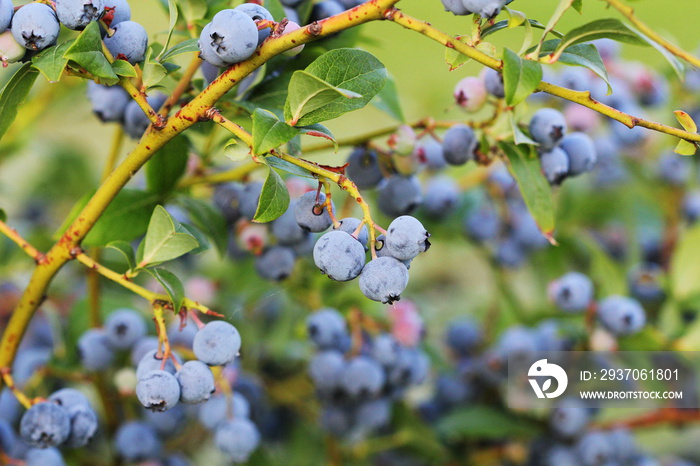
(16, 238)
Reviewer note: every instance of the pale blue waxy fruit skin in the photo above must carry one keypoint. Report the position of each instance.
(459, 145)
(339, 255)
(547, 127)
(326, 328)
(158, 390)
(456, 7)
(6, 12)
(135, 121)
(83, 419)
(124, 327)
(94, 350)
(130, 39)
(312, 215)
(108, 102)
(137, 441)
(45, 425)
(257, 13)
(276, 263)
(217, 343)
(406, 238)
(555, 165)
(580, 149)
(384, 279)
(35, 26)
(196, 382)
(77, 14)
(399, 195)
(363, 168)
(215, 410)
(150, 362)
(233, 36)
(325, 369)
(621, 315)
(349, 225)
(363, 377)
(237, 438)
(572, 292)
(206, 49)
(44, 457)
(122, 10)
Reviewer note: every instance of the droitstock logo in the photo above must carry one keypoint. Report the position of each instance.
(541, 369)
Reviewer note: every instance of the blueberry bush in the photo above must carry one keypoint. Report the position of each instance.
(189, 304)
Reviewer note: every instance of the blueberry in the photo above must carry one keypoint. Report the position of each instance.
(44, 425)
(644, 281)
(348, 4)
(383, 251)
(83, 419)
(385, 349)
(158, 390)
(76, 14)
(555, 165)
(569, 418)
(35, 26)
(595, 449)
(325, 9)
(11, 51)
(291, 27)
(6, 11)
(675, 169)
(311, 214)
(493, 80)
(28, 361)
(286, 229)
(625, 135)
(209, 72)
(325, 369)
(137, 441)
(483, 223)
(363, 377)
(129, 42)
(151, 362)
(621, 315)
(227, 197)
(124, 327)
(384, 279)
(456, 7)
(144, 345)
(580, 149)
(463, 336)
(216, 410)
(459, 144)
(691, 206)
(450, 390)
(196, 382)
(516, 341)
(363, 168)
(8, 438)
(238, 438)
(10, 408)
(441, 197)
(560, 455)
(399, 195)
(44, 457)
(572, 292)
(275, 263)
(233, 36)
(337, 420)
(406, 238)
(250, 198)
(257, 13)
(373, 414)
(207, 50)
(429, 152)
(135, 121)
(486, 8)
(176, 460)
(108, 102)
(166, 423)
(94, 350)
(122, 11)
(547, 127)
(326, 328)
(470, 94)
(217, 343)
(339, 255)
(182, 336)
(349, 225)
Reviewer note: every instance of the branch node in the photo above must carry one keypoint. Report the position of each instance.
(315, 28)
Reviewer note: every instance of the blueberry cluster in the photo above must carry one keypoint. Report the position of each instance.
(357, 386)
(485, 8)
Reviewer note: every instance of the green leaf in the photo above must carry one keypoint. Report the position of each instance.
(86, 51)
(686, 121)
(485, 423)
(556, 16)
(172, 13)
(125, 219)
(124, 68)
(685, 148)
(208, 219)
(388, 100)
(504, 24)
(167, 166)
(287, 167)
(601, 29)
(13, 95)
(534, 187)
(585, 55)
(319, 131)
(685, 265)
(186, 46)
(193, 9)
(51, 62)
(274, 198)
(676, 64)
(349, 71)
(126, 250)
(515, 18)
(269, 132)
(172, 284)
(276, 9)
(199, 235)
(520, 77)
(164, 239)
(3, 215)
(153, 71)
(454, 58)
(607, 275)
(577, 5)
(308, 93)
(518, 136)
(235, 151)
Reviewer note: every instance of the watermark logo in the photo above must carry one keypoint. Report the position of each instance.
(541, 369)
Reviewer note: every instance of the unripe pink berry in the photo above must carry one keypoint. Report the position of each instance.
(470, 93)
(291, 27)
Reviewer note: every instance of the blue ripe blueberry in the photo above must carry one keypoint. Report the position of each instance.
(176, 460)
(373, 414)
(363, 168)
(94, 350)
(463, 336)
(383, 251)
(44, 425)
(137, 441)
(28, 361)
(675, 169)
(580, 149)
(510, 253)
(625, 135)
(152, 362)
(144, 345)
(122, 11)
(691, 206)
(129, 42)
(547, 127)
(35, 26)
(385, 349)
(384, 279)
(326, 369)
(227, 197)
(196, 382)
(305, 247)
(207, 49)
(326, 328)
(645, 282)
(483, 223)
(399, 195)
(108, 102)
(275, 263)
(363, 377)
(257, 13)
(11, 51)
(250, 198)
(429, 152)
(325, 9)
(348, 4)
(311, 213)
(158, 390)
(621, 315)
(572, 292)
(76, 14)
(555, 165)
(216, 410)
(516, 341)
(560, 455)
(336, 419)
(286, 229)
(124, 327)
(182, 336)
(349, 225)
(135, 121)
(406, 238)
(166, 423)
(43, 457)
(441, 197)
(233, 35)
(456, 7)
(339, 255)
(217, 343)
(83, 419)
(493, 80)
(625, 445)
(595, 449)
(9, 406)
(451, 390)
(209, 71)
(291, 14)
(486, 8)
(459, 144)
(6, 11)
(238, 438)
(569, 418)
